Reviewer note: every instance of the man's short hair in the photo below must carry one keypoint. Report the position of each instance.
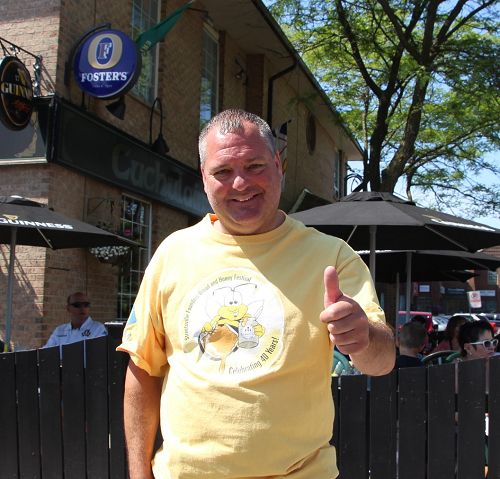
(231, 121)
(412, 334)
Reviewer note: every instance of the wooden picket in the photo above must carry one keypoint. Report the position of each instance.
(61, 417)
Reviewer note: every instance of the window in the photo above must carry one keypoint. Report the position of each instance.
(337, 174)
(209, 76)
(135, 224)
(145, 14)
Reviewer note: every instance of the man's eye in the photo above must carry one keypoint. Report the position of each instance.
(221, 173)
(256, 166)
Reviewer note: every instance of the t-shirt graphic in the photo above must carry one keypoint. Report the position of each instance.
(233, 324)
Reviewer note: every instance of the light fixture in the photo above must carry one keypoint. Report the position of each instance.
(160, 145)
(117, 108)
(241, 74)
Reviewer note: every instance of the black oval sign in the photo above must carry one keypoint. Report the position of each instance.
(16, 94)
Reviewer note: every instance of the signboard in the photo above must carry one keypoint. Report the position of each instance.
(491, 293)
(16, 94)
(474, 298)
(106, 64)
(98, 149)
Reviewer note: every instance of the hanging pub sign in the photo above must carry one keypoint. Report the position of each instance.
(106, 64)
(16, 94)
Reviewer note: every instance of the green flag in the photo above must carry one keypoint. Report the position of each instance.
(146, 40)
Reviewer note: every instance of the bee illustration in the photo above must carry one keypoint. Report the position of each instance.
(233, 323)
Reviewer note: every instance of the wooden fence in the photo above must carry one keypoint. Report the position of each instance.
(63, 418)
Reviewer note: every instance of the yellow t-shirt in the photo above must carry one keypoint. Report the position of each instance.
(232, 323)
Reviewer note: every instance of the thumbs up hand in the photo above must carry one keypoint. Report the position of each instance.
(346, 321)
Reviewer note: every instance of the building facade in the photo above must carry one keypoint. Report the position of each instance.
(103, 160)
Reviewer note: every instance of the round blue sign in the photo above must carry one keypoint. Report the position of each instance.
(106, 64)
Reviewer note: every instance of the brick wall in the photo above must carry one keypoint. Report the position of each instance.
(51, 28)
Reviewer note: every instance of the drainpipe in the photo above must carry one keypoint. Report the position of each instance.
(270, 84)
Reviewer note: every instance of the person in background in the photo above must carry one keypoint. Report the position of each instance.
(412, 337)
(450, 340)
(231, 335)
(476, 340)
(80, 327)
(427, 324)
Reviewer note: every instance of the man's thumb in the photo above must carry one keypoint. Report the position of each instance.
(332, 287)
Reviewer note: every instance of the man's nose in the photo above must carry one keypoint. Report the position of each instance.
(240, 182)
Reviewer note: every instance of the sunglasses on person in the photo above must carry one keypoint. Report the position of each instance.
(487, 343)
(80, 304)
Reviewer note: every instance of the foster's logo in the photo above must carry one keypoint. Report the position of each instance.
(106, 64)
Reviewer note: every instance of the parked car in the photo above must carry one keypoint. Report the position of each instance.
(440, 321)
(493, 318)
(428, 319)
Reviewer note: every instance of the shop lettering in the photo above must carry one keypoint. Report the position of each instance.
(103, 76)
(36, 224)
(151, 178)
(16, 90)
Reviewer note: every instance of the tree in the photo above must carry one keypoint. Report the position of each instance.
(417, 83)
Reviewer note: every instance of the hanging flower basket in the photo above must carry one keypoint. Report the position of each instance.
(111, 254)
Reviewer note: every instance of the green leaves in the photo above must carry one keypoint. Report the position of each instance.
(417, 83)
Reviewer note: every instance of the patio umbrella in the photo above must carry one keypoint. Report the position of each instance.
(430, 265)
(27, 222)
(374, 219)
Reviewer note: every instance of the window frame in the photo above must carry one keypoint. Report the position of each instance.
(211, 33)
(143, 251)
(152, 89)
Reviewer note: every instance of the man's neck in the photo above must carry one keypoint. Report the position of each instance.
(77, 324)
(404, 351)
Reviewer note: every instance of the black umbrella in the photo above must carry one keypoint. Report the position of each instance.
(430, 265)
(381, 220)
(27, 222)
(374, 219)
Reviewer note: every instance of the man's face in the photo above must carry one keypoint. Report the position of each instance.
(242, 181)
(78, 308)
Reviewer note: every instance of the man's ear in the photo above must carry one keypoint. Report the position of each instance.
(469, 348)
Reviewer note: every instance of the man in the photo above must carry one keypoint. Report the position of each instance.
(232, 331)
(412, 339)
(81, 325)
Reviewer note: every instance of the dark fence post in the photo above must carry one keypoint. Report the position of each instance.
(494, 419)
(28, 417)
(353, 433)
(117, 364)
(8, 415)
(73, 406)
(96, 394)
(441, 454)
(49, 382)
(471, 454)
(412, 423)
(383, 426)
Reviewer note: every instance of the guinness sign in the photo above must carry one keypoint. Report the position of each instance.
(16, 94)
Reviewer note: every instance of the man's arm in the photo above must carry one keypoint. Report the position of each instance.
(379, 357)
(369, 343)
(141, 418)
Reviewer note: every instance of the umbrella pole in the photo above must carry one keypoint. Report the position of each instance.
(397, 300)
(373, 234)
(408, 284)
(10, 287)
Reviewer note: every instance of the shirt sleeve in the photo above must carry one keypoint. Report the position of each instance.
(144, 336)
